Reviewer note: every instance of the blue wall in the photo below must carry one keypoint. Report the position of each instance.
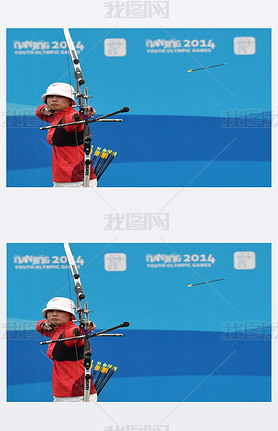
(177, 335)
(178, 121)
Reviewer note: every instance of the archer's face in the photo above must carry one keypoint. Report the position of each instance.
(58, 317)
(58, 103)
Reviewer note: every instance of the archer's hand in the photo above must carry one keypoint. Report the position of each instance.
(88, 326)
(46, 326)
(46, 111)
(91, 110)
(92, 326)
(88, 111)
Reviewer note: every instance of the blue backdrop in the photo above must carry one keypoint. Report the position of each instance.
(206, 128)
(210, 342)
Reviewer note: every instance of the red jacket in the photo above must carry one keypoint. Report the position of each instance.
(67, 356)
(67, 142)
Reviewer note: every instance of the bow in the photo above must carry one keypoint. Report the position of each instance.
(83, 313)
(83, 104)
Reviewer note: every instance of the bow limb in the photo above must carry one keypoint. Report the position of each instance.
(76, 64)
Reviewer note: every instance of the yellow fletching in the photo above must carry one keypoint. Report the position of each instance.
(97, 367)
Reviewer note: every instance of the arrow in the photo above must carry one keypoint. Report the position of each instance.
(207, 67)
(205, 282)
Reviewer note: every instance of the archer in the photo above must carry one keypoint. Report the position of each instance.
(67, 142)
(67, 356)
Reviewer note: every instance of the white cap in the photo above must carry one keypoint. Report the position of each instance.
(63, 304)
(59, 89)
